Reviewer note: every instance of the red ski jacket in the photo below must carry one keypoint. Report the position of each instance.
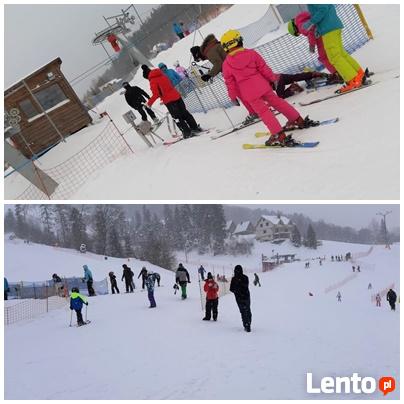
(211, 288)
(161, 87)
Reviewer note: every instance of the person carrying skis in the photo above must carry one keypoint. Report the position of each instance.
(143, 274)
(256, 280)
(182, 278)
(327, 25)
(76, 303)
(173, 76)
(212, 50)
(6, 289)
(339, 296)
(296, 27)
(136, 98)
(127, 274)
(202, 272)
(392, 298)
(212, 298)
(150, 281)
(378, 300)
(162, 88)
(246, 72)
(88, 277)
(239, 286)
(114, 285)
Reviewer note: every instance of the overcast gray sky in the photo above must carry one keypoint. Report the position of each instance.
(356, 216)
(36, 34)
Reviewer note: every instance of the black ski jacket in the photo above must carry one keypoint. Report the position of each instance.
(135, 96)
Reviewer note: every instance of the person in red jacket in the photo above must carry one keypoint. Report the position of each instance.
(161, 87)
(212, 299)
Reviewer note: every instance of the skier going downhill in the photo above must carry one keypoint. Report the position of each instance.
(202, 272)
(339, 296)
(256, 280)
(239, 286)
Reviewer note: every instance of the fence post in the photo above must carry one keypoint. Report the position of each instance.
(47, 299)
(363, 20)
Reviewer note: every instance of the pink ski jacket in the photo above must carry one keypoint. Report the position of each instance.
(300, 19)
(247, 74)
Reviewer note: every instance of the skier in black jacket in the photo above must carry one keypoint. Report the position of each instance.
(136, 98)
(143, 274)
(392, 298)
(239, 286)
(114, 285)
(128, 276)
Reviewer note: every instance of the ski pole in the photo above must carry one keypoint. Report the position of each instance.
(86, 311)
(71, 317)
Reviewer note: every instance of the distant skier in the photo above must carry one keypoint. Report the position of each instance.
(392, 298)
(332, 258)
(339, 296)
(88, 277)
(136, 98)
(143, 274)
(158, 278)
(202, 272)
(378, 300)
(182, 278)
(358, 268)
(369, 286)
(178, 30)
(239, 286)
(114, 285)
(76, 303)
(150, 281)
(212, 298)
(353, 268)
(173, 76)
(6, 289)
(256, 280)
(127, 274)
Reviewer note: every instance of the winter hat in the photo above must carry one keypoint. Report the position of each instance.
(210, 276)
(124, 266)
(238, 270)
(162, 66)
(146, 71)
(125, 84)
(85, 267)
(196, 53)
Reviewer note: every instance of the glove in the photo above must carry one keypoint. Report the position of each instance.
(206, 77)
(312, 48)
(86, 303)
(307, 25)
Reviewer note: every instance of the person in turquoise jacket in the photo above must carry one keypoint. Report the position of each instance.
(76, 303)
(88, 277)
(174, 77)
(329, 27)
(6, 289)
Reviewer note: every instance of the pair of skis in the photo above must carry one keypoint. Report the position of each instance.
(178, 138)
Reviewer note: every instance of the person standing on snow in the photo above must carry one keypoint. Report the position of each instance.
(173, 76)
(143, 274)
(339, 296)
(150, 281)
(392, 298)
(212, 50)
(88, 277)
(127, 274)
(245, 72)
(157, 277)
(239, 286)
(162, 88)
(76, 303)
(327, 25)
(181, 70)
(178, 30)
(212, 298)
(378, 301)
(369, 286)
(202, 272)
(114, 285)
(182, 278)
(136, 98)
(256, 280)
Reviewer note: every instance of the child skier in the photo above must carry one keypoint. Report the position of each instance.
(246, 72)
(114, 285)
(143, 274)
(339, 296)
(329, 27)
(296, 27)
(176, 288)
(378, 301)
(212, 299)
(202, 272)
(76, 303)
(150, 281)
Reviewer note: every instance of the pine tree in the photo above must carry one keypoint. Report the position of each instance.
(296, 237)
(10, 223)
(61, 213)
(78, 233)
(218, 228)
(101, 229)
(21, 223)
(311, 240)
(48, 224)
(114, 247)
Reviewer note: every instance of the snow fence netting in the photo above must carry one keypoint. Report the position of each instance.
(284, 54)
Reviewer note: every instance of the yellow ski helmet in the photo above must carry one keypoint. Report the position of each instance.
(231, 39)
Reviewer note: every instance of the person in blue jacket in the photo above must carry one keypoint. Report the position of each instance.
(174, 77)
(6, 289)
(178, 30)
(76, 303)
(88, 277)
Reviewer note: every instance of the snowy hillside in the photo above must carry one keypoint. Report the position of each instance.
(131, 352)
(358, 158)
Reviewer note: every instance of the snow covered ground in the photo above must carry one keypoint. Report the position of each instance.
(131, 352)
(358, 158)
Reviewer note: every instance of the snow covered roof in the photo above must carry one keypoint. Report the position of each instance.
(276, 219)
(241, 227)
(229, 224)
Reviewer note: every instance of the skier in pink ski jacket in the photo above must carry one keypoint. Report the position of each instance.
(296, 27)
(246, 72)
(182, 71)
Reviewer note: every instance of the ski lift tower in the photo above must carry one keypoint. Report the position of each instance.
(115, 34)
(385, 233)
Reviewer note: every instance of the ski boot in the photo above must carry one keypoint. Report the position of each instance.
(247, 328)
(250, 119)
(194, 132)
(300, 123)
(277, 139)
(358, 81)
